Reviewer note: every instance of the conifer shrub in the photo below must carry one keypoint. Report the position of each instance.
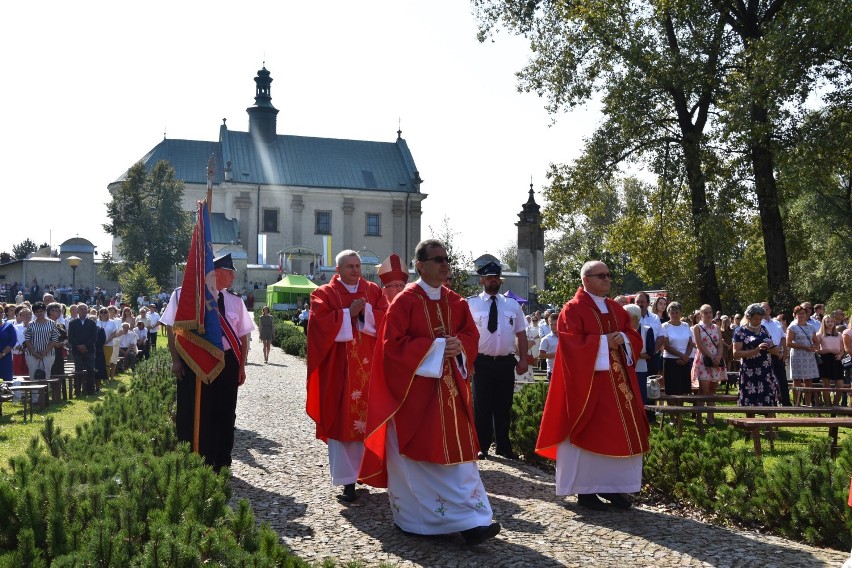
(124, 492)
(527, 408)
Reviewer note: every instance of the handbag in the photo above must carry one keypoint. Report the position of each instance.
(40, 374)
(846, 362)
(653, 389)
(708, 361)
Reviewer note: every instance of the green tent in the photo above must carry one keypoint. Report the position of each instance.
(288, 292)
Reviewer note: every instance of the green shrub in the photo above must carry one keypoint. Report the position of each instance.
(123, 492)
(295, 345)
(527, 408)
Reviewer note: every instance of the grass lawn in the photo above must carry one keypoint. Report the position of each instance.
(15, 434)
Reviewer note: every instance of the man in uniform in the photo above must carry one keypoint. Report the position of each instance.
(501, 323)
(345, 314)
(218, 398)
(393, 277)
(421, 441)
(594, 424)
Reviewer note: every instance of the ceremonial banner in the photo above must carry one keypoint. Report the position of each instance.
(198, 331)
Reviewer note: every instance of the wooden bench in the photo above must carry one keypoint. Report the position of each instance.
(27, 396)
(699, 411)
(754, 425)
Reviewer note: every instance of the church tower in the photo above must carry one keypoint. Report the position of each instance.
(531, 244)
(263, 116)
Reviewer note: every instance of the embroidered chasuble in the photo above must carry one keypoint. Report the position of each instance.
(597, 411)
(339, 371)
(433, 416)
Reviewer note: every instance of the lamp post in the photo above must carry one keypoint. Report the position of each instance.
(74, 262)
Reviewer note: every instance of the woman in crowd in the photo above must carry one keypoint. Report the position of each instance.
(659, 309)
(830, 349)
(267, 332)
(54, 311)
(677, 349)
(753, 346)
(128, 317)
(647, 352)
(708, 368)
(8, 339)
(112, 363)
(19, 361)
(40, 339)
(726, 333)
(801, 341)
(847, 348)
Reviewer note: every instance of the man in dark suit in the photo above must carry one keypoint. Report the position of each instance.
(82, 333)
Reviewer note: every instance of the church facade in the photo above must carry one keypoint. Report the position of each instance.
(293, 202)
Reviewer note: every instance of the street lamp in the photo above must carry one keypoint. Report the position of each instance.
(74, 262)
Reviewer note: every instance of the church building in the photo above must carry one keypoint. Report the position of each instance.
(292, 202)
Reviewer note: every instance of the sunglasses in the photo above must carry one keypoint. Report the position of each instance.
(439, 259)
(601, 275)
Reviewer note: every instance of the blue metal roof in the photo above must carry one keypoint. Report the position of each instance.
(292, 160)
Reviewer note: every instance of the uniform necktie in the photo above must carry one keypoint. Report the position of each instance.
(492, 315)
(221, 303)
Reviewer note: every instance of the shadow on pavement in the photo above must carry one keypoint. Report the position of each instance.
(280, 511)
(371, 515)
(249, 439)
(707, 543)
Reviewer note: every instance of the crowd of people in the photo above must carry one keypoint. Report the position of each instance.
(39, 337)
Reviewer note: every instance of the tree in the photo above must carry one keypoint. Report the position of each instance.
(5, 257)
(509, 255)
(145, 213)
(24, 248)
(461, 263)
(136, 280)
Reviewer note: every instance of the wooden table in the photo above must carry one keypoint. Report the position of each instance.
(54, 388)
(27, 396)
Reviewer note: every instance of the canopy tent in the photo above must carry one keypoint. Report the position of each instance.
(510, 294)
(288, 292)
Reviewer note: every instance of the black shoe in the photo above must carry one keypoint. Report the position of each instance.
(509, 455)
(482, 456)
(617, 499)
(348, 494)
(479, 535)
(591, 501)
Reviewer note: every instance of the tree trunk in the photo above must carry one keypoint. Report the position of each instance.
(774, 242)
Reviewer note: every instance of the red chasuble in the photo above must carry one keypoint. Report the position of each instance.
(433, 416)
(339, 372)
(598, 411)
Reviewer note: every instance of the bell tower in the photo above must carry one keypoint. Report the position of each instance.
(531, 243)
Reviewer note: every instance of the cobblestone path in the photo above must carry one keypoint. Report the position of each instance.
(283, 470)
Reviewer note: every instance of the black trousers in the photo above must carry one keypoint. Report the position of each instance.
(218, 412)
(780, 371)
(493, 389)
(84, 372)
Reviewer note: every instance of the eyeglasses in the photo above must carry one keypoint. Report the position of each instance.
(602, 275)
(439, 259)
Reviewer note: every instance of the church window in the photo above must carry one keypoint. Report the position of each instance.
(323, 223)
(374, 225)
(270, 220)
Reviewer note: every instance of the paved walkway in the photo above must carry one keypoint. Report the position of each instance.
(283, 470)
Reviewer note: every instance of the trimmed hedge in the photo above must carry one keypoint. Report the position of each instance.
(123, 492)
(802, 497)
(288, 336)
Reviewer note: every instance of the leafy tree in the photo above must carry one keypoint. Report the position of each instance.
(22, 249)
(145, 213)
(136, 280)
(509, 255)
(657, 65)
(461, 263)
(109, 268)
(5, 257)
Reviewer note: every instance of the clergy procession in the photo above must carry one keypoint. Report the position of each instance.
(409, 385)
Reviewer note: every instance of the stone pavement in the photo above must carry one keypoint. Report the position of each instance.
(283, 471)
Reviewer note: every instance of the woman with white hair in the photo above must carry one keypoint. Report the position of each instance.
(753, 345)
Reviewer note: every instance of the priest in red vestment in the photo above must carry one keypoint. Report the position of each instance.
(421, 441)
(345, 314)
(594, 424)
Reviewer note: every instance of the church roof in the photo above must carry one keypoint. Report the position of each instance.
(291, 160)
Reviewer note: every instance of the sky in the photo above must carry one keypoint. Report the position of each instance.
(90, 88)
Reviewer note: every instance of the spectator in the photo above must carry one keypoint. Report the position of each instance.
(154, 328)
(547, 349)
(104, 354)
(113, 361)
(533, 341)
(22, 319)
(82, 335)
(830, 349)
(40, 338)
(753, 345)
(677, 345)
(141, 339)
(801, 341)
(708, 368)
(127, 346)
(267, 332)
(660, 309)
(777, 337)
(146, 321)
(128, 317)
(726, 333)
(8, 339)
(647, 353)
(59, 353)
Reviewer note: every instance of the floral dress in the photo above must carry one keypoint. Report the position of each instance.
(758, 385)
(711, 341)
